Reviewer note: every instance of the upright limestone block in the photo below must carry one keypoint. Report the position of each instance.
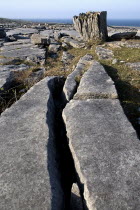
(91, 25)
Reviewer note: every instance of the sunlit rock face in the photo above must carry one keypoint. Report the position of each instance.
(91, 25)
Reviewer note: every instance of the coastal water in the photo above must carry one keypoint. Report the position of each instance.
(111, 22)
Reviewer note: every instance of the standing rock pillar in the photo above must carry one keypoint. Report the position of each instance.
(91, 25)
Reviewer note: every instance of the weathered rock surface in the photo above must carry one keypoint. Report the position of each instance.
(66, 57)
(22, 31)
(104, 53)
(73, 43)
(125, 35)
(7, 73)
(47, 33)
(38, 39)
(22, 50)
(105, 149)
(96, 83)
(71, 83)
(29, 173)
(4, 74)
(54, 48)
(72, 33)
(91, 25)
(135, 66)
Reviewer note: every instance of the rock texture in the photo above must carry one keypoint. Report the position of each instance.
(104, 145)
(73, 43)
(71, 83)
(38, 39)
(29, 174)
(105, 149)
(91, 25)
(96, 83)
(135, 66)
(104, 53)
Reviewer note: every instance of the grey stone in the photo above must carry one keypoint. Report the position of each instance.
(72, 33)
(104, 53)
(37, 58)
(23, 51)
(29, 172)
(2, 33)
(96, 83)
(135, 66)
(54, 48)
(38, 39)
(21, 31)
(115, 61)
(73, 43)
(4, 74)
(125, 35)
(66, 57)
(35, 77)
(47, 33)
(64, 45)
(57, 36)
(105, 149)
(71, 83)
(91, 25)
(13, 72)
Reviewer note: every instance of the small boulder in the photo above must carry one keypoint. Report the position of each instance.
(54, 48)
(39, 39)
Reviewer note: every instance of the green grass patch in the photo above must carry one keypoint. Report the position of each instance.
(127, 54)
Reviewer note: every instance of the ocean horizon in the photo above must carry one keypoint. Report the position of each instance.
(110, 22)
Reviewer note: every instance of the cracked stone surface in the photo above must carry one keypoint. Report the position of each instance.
(21, 31)
(71, 84)
(91, 25)
(22, 50)
(29, 173)
(104, 53)
(96, 83)
(73, 43)
(106, 153)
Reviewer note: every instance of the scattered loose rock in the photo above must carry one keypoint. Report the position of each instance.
(104, 53)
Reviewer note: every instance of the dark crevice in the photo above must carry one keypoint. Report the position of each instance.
(65, 160)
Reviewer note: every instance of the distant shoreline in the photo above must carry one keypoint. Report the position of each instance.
(110, 22)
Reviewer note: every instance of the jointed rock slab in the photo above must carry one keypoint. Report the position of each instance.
(29, 173)
(106, 153)
(96, 83)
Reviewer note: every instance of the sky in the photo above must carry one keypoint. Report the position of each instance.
(117, 9)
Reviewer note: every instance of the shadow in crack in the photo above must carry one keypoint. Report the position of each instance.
(60, 162)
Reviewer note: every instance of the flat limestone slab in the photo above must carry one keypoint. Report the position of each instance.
(21, 31)
(70, 83)
(73, 43)
(96, 83)
(106, 153)
(29, 179)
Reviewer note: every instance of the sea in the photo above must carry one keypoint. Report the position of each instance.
(110, 22)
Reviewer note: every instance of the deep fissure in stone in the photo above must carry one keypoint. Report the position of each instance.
(65, 160)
